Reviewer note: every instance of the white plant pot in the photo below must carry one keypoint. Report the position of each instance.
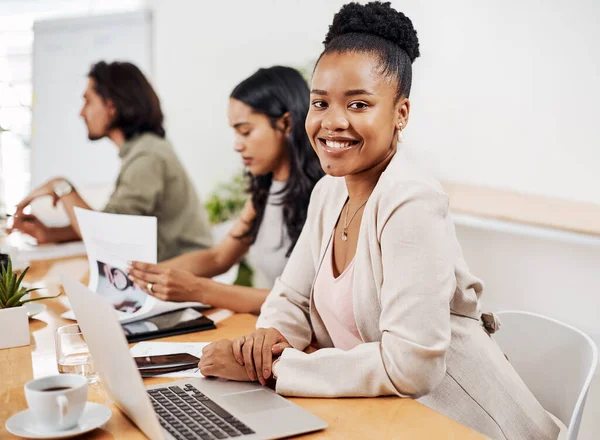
(14, 327)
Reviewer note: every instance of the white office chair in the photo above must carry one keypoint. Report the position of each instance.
(556, 361)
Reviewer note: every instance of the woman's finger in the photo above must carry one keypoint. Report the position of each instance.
(208, 370)
(202, 362)
(237, 344)
(272, 337)
(145, 276)
(267, 359)
(248, 358)
(145, 267)
(279, 347)
(159, 291)
(257, 354)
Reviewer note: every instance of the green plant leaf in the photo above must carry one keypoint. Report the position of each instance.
(39, 298)
(15, 300)
(227, 199)
(5, 274)
(22, 276)
(3, 294)
(11, 287)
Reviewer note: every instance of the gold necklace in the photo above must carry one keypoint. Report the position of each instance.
(346, 223)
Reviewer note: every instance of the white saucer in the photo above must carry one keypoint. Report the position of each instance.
(94, 416)
(33, 308)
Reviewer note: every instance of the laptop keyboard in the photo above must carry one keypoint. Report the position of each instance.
(187, 414)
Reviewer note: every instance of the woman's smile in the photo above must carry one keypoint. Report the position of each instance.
(337, 146)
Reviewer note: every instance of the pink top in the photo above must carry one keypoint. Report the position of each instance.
(333, 302)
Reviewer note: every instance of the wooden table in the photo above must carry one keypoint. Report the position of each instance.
(381, 418)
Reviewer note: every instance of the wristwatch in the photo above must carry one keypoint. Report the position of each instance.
(62, 188)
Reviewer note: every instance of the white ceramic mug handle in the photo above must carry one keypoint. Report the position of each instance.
(63, 405)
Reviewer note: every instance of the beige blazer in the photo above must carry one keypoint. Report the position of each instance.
(416, 307)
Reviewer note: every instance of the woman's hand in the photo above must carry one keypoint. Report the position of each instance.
(255, 352)
(168, 284)
(217, 360)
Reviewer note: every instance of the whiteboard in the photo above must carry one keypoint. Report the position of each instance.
(63, 52)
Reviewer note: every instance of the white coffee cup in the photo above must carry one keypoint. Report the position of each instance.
(57, 402)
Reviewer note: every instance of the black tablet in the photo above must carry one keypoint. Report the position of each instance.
(175, 322)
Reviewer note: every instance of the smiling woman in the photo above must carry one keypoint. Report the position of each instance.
(377, 276)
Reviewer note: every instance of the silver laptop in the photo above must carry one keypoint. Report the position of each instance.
(187, 409)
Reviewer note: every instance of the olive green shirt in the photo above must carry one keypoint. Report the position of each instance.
(153, 182)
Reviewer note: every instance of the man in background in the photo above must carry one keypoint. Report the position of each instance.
(120, 104)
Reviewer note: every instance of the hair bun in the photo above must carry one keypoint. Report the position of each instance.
(376, 18)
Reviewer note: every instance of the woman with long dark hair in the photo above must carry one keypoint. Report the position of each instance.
(267, 112)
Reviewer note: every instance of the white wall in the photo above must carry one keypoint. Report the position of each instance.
(203, 50)
(504, 93)
(64, 50)
(28, 10)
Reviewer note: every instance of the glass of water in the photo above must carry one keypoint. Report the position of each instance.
(72, 353)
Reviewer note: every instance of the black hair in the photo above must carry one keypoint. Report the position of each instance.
(378, 29)
(137, 105)
(274, 92)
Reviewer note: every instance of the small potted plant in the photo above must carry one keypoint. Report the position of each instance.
(14, 323)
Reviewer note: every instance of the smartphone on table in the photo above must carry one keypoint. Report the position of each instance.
(165, 363)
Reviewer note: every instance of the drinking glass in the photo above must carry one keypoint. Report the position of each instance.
(72, 353)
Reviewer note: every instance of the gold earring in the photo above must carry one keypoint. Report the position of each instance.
(399, 132)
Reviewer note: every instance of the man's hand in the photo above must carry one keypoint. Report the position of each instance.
(31, 225)
(47, 189)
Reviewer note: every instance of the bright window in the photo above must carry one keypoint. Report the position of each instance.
(16, 43)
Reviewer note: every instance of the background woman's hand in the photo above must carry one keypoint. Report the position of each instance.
(255, 352)
(168, 284)
(217, 360)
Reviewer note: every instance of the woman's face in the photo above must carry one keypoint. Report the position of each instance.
(263, 147)
(353, 118)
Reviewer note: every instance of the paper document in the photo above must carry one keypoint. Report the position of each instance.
(111, 241)
(157, 348)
